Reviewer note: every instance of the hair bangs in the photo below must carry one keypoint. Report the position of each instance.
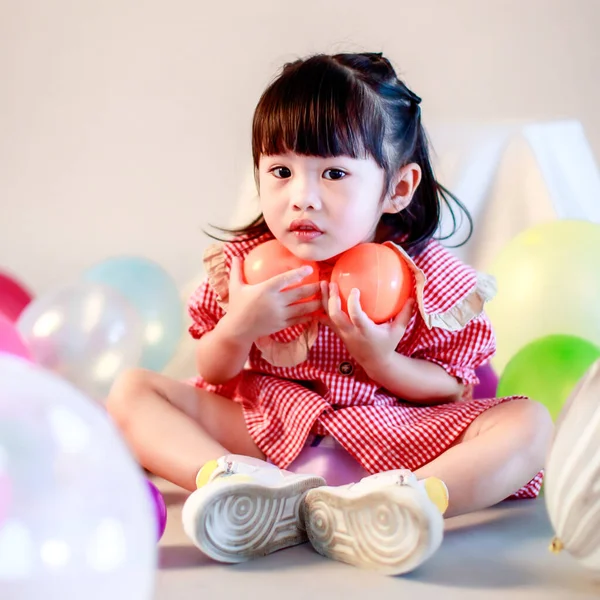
(316, 108)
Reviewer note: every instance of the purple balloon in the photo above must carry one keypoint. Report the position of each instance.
(160, 509)
(488, 382)
(335, 465)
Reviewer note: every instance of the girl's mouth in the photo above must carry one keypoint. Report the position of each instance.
(305, 230)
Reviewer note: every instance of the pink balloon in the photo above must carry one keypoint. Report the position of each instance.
(11, 341)
(13, 297)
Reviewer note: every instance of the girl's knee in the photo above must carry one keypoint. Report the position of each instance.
(533, 424)
(127, 388)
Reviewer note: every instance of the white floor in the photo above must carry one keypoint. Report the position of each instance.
(498, 553)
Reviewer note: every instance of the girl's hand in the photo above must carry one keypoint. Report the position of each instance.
(368, 343)
(258, 310)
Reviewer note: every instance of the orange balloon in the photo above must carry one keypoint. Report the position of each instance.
(381, 274)
(272, 258)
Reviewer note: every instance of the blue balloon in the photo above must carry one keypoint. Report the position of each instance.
(153, 293)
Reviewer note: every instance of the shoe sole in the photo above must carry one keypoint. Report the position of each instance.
(391, 530)
(236, 521)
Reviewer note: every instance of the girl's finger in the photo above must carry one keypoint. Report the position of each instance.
(357, 315)
(402, 319)
(334, 309)
(325, 320)
(324, 295)
(302, 292)
(304, 308)
(289, 278)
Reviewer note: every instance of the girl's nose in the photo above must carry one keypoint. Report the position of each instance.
(306, 197)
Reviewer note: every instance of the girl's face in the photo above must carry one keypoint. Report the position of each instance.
(320, 207)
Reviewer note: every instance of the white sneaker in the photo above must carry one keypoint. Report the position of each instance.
(245, 508)
(386, 522)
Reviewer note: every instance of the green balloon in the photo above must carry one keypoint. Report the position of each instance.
(548, 369)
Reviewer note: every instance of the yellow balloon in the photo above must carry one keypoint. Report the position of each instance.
(548, 282)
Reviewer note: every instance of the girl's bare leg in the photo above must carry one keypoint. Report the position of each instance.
(500, 452)
(174, 428)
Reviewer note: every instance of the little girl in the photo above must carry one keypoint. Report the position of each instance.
(341, 158)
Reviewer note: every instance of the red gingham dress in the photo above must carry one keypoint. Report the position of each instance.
(330, 394)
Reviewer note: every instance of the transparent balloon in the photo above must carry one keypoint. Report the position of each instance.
(76, 519)
(86, 333)
(153, 293)
(548, 283)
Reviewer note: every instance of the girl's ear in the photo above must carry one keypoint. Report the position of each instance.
(404, 186)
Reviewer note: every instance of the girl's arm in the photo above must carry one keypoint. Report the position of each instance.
(414, 379)
(440, 366)
(432, 371)
(222, 353)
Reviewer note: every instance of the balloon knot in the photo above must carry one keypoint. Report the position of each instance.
(556, 546)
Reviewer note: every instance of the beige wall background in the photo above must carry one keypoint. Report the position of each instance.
(124, 126)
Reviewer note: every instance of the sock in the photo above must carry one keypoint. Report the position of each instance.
(203, 476)
(437, 491)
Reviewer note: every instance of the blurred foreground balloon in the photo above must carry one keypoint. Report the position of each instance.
(573, 471)
(548, 369)
(548, 283)
(76, 517)
(14, 297)
(85, 332)
(11, 341)
(153, 293)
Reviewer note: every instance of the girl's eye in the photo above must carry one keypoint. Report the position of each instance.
(334, 174)
(281, 172)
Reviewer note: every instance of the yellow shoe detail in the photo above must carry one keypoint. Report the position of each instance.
(205, 472)
(438, 493)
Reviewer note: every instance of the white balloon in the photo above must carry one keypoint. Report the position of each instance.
(572, 489)
(85, 332)
(76, 517)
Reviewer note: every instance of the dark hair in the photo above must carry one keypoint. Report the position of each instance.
(353, 105)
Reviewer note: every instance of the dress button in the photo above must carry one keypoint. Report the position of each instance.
(346, 368)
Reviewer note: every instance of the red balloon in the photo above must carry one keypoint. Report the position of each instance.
(271, 259)
(14, 297)
(382, 276)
